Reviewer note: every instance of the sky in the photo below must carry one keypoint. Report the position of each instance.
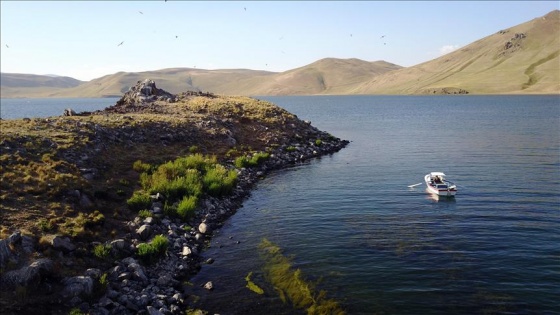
(89, 39)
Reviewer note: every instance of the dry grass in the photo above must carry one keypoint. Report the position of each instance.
(41, 159)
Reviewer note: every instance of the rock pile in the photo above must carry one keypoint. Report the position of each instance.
(145, 92)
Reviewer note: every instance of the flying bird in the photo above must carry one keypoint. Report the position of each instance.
(7, 46)
(382, 36)
(121, 43)
(244, 8)
(140, 12)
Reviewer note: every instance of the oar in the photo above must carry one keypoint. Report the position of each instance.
(414, 185)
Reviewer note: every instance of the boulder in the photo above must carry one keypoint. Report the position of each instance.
(63, 244)
(69, 112)
(77, 286)
(28, 275)
(144, 232)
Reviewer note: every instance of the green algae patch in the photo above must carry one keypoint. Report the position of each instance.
(252, 286)
(290, 284)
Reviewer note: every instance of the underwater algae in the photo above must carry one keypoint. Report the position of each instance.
(290, 284)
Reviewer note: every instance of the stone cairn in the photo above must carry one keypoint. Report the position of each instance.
(145, 92)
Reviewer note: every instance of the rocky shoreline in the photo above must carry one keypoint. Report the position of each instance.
(128, 285)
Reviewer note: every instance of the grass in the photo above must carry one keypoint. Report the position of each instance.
(255, 160)
(183, 181)
(149, 252)
(102, 251)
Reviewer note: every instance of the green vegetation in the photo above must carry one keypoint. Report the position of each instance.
(144, 213)
(252, 286)
(318, 142)
(182, 181)
(255, 160)
(187, 207)
(139, 201)
(291, 285)
(149, 252)
(290, 149)
(102, 251)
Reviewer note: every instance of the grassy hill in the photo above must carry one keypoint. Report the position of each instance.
(521, 59)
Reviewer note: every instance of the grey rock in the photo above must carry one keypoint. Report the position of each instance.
(144, 232)
(63, 244)
(153, 311)
(28, 275)
(77, 286)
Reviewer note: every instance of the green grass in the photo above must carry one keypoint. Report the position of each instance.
(149, 252)
(184, 181)
(102, 251)
(255, 160)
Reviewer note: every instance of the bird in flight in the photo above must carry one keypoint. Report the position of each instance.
(7, 46)
(140, 12)
(244, 8)
(121, 43)
(382, 36)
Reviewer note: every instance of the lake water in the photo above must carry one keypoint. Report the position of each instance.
(351, 224)
(12, 108)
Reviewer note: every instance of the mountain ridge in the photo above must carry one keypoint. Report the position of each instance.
(522, 59)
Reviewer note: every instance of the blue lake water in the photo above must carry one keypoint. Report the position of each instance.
(12, 108)
(350, 223)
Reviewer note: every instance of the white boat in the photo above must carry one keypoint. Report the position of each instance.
(437, 184)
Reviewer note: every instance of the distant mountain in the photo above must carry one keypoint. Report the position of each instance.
(521, 59)
(326, 76)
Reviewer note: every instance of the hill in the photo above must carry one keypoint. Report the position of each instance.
(28, 85)
(521, 59)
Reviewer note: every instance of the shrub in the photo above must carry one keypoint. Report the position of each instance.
(187, 207)
(160, 244)
(102, 251)
(219, 181)
(139, 201)
(156, 247)
(141, 167)
(255, 160)
(144, 214)
(291, 148)
(318, 142)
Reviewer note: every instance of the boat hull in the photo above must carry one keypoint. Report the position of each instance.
(445, 188)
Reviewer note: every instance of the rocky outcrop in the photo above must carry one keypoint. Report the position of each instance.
(145, 92)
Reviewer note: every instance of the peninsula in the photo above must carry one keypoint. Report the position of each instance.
(107, 212)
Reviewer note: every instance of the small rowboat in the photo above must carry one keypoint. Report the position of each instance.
(437, 184)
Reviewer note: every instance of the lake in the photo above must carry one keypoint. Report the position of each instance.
(352, 226)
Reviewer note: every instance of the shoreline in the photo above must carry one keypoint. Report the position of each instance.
(104, 274)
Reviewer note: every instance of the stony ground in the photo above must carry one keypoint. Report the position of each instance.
(65, 182)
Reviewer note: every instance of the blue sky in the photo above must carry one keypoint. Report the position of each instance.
(81, 39)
